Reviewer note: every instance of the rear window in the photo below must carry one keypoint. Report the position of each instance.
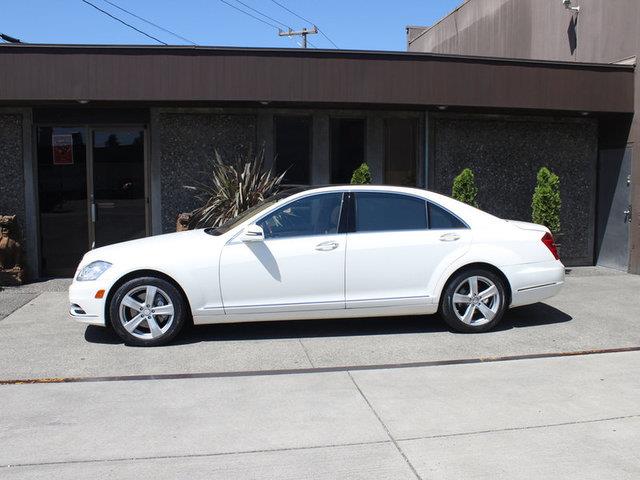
(440, 219)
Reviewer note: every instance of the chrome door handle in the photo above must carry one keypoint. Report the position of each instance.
(449, 237)
(327, 246)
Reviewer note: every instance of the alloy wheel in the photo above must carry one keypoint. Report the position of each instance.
(476, 300)
(146, 312)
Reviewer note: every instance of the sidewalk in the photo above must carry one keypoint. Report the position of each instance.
(575, 417)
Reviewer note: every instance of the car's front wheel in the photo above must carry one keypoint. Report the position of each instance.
(147, 311)
(474, 301)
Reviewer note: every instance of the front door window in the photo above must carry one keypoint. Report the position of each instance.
(313, 215)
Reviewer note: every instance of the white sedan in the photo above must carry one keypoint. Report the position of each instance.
(330, 252)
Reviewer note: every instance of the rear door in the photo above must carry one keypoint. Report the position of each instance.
(392, 253)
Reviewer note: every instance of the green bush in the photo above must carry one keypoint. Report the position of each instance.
(464, 188)
(361, 175)
(546, 202)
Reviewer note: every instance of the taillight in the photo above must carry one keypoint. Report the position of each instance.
(547, 239)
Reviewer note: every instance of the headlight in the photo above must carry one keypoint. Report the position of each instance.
(93, 271)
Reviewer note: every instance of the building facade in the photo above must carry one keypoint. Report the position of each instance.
(603, 32)
(97, 143)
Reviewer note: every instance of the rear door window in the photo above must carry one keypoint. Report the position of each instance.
(378, 212)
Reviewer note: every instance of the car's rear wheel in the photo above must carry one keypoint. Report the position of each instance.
(474, 301)
(147, 311)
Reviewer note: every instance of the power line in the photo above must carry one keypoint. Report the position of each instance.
(252, 16)
(124, 23)
(305, 20)
(258, 18)
(264, 15)
(150, 23)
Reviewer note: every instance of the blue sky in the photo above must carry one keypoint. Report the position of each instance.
(351, 24)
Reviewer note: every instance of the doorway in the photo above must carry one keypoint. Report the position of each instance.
(614, 208)
(91, 190)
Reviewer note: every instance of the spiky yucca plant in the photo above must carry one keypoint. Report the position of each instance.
(232, 188)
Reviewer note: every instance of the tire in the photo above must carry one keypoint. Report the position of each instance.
(147, 324)
(472, 312)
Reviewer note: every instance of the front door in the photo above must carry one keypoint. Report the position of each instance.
(298, 267)
(614, 208)
(91, 187)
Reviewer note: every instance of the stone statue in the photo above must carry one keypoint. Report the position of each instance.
(11, 271)
(183, 222)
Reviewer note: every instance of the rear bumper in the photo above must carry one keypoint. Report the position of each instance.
(534, 282)
(83, 306)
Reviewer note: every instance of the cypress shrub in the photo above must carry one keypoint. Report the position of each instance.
(464, 188)
(361, 175)
(546, 203)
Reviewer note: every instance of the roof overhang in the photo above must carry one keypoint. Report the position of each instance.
(54, 73)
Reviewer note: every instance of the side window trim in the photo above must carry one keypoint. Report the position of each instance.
(426, 212)
(347, 214)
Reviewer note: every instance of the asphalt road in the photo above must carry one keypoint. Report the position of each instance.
(279, 416)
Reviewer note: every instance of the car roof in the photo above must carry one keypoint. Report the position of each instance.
(472, 216)
(351, 188)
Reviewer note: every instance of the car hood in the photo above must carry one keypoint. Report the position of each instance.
(171, 247)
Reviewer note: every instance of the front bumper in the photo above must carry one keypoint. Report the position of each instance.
(83, 306)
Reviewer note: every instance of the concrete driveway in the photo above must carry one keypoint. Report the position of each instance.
(598, 309)
(328, 399)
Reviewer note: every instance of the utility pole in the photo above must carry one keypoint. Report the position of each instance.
(303, 33)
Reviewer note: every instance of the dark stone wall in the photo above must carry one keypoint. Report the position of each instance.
(12, 170)
(187, 144)
(505, 154)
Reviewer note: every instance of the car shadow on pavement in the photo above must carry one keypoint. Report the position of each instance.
(529, 316)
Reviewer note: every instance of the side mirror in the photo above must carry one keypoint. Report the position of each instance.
(252, 233)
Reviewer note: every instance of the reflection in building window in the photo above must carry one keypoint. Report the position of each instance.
(293, 148)
(347, 147)
(401, 151)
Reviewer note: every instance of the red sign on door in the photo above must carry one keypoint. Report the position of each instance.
(62, 149)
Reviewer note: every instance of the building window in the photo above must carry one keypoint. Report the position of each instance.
(293, 148)
(401, 151)
(347, 147)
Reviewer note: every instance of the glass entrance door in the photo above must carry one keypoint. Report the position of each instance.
(118, 208)
(91, 185)
(62, 198)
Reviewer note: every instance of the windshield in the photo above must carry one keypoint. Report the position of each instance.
(234, 222)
